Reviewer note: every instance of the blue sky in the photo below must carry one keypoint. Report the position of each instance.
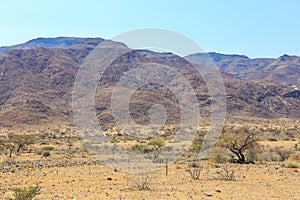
(254, 28)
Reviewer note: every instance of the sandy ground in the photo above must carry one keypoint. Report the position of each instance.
(259, 181)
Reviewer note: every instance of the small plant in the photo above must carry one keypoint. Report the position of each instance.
(291, 164)
(26, 194)
(227, 173)
(276, 158)
(141, 148)
(70, 156)
(195, 170)
(141, 181)
(48, 148)
(196, 148)
(156, 144)
(46, 154)
(283, 153)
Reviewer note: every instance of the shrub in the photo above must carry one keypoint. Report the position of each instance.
(156, 144)
(48, 148)
(218, 155)
(283, 153)
(141, 147)
(291, 164)
(195, 170)
(295, 156)
(46, 153)
(227, 173)
(196, 148)
(276, 158)
(70, 156)
(141, 181)
(26, 194)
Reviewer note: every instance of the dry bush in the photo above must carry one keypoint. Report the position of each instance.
(195, 170)
(295, 156)
(227, 173)
(218, 155)
(141, 181)
(283, 153)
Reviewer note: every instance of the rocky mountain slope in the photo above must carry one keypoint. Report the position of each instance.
(284, 70)
(36, 86)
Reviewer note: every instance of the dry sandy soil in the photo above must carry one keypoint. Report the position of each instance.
(258, 181)
(70, 180)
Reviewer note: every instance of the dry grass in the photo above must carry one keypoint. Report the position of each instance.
(69, 180)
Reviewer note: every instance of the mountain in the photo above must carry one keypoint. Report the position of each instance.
(36, 85)
(60, 42)
(284, 70)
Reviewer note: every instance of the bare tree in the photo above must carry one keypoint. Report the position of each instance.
(239, 141)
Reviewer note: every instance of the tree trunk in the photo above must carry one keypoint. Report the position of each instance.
(10, 153)
(242, 159)
(19, 148)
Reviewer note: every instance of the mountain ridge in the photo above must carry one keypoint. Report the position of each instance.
(36, 88)
(284, 69)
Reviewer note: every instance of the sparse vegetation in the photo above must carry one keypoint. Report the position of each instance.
(291, 164)
(187, 172)
(227, 173)
(15, 142)
(26, 193)
(48, 148)
(156, 144)
(195, 170)
(141, 181)
(239, 141)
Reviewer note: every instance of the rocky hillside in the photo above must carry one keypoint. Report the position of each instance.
(36, 86)
(284, 70)
(60, 42)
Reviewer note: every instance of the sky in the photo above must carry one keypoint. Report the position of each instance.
(256, 28)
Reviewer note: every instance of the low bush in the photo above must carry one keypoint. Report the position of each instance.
(26, 194)
(46, 153)
(227, 173)
(291, 164)
(48, 148)
(276, 158)
(141, 148)
(141, 181)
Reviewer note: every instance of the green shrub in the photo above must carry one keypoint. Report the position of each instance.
(196, 148)
(26, 194)
(141, 148)
(156, 143)
(291, 164)
(276, 158)
(70, 156)
(48, 148)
